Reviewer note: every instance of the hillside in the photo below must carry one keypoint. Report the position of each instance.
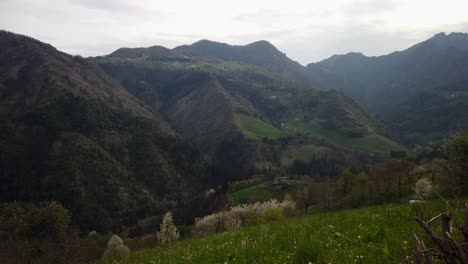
(406, 90)
(261, 53)
(380, 234)
(211, 101)
(126, 136)
(68, 132)
(33, 73)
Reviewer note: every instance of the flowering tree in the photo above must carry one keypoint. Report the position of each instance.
(241, 216)
(168, 232)
(116, 247)
(423, 188)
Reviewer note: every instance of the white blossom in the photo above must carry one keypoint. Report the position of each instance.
(168, 232)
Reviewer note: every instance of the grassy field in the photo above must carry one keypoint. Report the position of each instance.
(255, 192)
(378, 234)
(301, 152)
(256, 129)
(372, 142)
(264, 191)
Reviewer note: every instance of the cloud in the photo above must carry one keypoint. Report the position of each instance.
(366, 7)
(307, 30)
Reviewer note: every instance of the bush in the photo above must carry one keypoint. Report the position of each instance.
(50, 221)
(116, 248)
(27, 221)
(241, 216)
(273, 215)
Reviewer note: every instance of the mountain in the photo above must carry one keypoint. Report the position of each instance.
(33, 73)
(261, 53)
(215, 91)
(421, 93)
(139, 132)
(69, 132)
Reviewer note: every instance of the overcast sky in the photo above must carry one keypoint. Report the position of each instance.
(306, 30)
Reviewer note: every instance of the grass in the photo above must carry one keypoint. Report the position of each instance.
(257, 129)
(252, 193)
(301, 152)
(377, 234)
(369, 143)
(264, 191)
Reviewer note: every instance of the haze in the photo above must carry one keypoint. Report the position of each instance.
(306, 30)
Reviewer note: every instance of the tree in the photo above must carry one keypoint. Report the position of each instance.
(116, 247)
(346, 180)
(423, 188)
(456, 152)
(391, 177)
(168, 232)
(361, 189)
(27, 221)
(306, 197)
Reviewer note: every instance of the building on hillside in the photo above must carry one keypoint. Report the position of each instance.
(281, 180)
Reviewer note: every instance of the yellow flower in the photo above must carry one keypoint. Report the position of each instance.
(386, 251)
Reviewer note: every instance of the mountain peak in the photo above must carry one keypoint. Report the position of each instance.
(153, 51)
(205, 42)
(452, 40)
(440, 35)
(261, 44)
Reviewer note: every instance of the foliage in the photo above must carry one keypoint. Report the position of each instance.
(39, 234)
(422, 188)
(168, 232)
(241, 216)
(27, 221)
(456, 152)
(82, 153)
(239, 185)
(116, 248)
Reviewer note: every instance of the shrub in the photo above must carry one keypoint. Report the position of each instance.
(92, 233)
(168, 232)
(50, 221)
(27, 221)
(241, 216)
(423, 188)
(273, 215)
(116, 248)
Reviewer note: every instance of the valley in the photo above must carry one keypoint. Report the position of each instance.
(231, 148)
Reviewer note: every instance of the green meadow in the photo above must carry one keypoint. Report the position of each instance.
(256, 129)
(377, 234)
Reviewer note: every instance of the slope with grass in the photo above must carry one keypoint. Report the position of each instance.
(254, 193)
(372, 142)
(257, 129)
(378, 234)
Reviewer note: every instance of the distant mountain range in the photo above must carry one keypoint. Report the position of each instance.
(420, 93)
(140, 131)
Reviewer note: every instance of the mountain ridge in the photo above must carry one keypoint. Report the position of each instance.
(389, 85)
